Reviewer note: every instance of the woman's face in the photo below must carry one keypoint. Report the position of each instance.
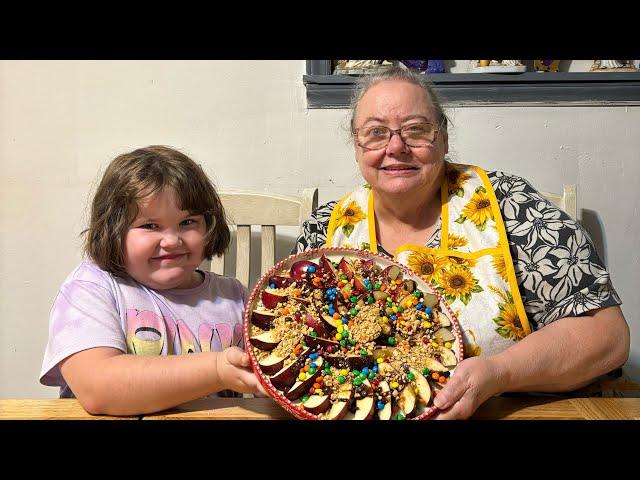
(398, 168)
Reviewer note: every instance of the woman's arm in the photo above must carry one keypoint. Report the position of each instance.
(107, 381)
(563, 356)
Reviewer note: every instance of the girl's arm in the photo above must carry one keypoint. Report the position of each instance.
(107, 381)
(563, 356)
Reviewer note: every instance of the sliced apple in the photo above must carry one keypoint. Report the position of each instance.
(317, 404)
(447, 357)
(407, 400)
(433, 365)
(286, 376)
(365, 406)
(345, 291)
(299, 269)
(264, 341)
(301, 386)
(352, 362)
(271, 364)
(422, 388)
(358, 284)
(330, 321)
(327, 269)
(444, 334)
(341, 405)
(321, 342)
(380, 295)
(385, 412)
(263, 319)
(316, 324)
(443, 319)
(345, 267)
(430, 300)
(409, 285)
(391, 272)
(281, 281)
(271, 300)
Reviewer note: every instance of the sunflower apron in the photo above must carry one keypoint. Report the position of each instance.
(472, 269)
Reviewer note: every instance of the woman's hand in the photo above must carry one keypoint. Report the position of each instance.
(235, 374)
(475, 380)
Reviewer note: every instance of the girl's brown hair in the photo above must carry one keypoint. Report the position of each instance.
(133, 176)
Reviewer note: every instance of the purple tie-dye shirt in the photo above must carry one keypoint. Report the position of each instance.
(96, 309)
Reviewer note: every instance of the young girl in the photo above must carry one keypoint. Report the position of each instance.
(140, 328)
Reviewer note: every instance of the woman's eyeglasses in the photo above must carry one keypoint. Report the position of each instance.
(377, 137)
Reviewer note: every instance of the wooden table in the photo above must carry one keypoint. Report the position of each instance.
(498, 408)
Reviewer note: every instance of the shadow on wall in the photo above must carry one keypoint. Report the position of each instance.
(591, 222)
(284, 245)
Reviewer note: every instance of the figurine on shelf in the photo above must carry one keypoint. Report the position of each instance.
(546, 65)
(497, 66)
(360, 67)
(425, 66)
(613, 66)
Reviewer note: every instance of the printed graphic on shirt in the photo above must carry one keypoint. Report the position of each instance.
(150, 334)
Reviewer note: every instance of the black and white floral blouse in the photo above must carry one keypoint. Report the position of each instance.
(558, 270)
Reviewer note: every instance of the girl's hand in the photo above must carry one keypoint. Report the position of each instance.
(475, 380)
(235, 374)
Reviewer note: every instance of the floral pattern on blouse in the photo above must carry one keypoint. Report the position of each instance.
(557, 267)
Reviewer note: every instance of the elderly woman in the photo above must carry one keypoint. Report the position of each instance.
(536, 306)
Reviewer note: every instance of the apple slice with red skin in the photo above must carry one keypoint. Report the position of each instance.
(299, 269)
(330, 321)
(281, 281)
(385, 412)
(341, 405)
(327, 268)
(318, 342)
(271, 300)
(422, 388)
(286, 376)
(391, 272)
(358, 284)
(365, 406)
(317, 404)
(264, 341)
(352, 362)
(263, 319)
(317, 325)
(300, 387)
(345, 267)
(271, 364)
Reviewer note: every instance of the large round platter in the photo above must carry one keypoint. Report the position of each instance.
(340, 333)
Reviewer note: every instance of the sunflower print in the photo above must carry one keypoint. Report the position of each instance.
(458, 282)
(499, 266)
(348, 216)
(478, 210)
(427, 265)
(509, 325)
(456, 241)
(456, 180)
(464, 262)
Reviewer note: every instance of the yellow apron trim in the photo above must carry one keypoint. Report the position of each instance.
(373, 240)
(332, 221)
(508, 261)
(444, 215)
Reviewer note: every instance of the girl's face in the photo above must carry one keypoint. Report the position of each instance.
(398, 168)
(164, 245)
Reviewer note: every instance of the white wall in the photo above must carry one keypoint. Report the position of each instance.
(247, 123)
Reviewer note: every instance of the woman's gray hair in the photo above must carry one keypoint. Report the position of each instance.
(365, 82)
